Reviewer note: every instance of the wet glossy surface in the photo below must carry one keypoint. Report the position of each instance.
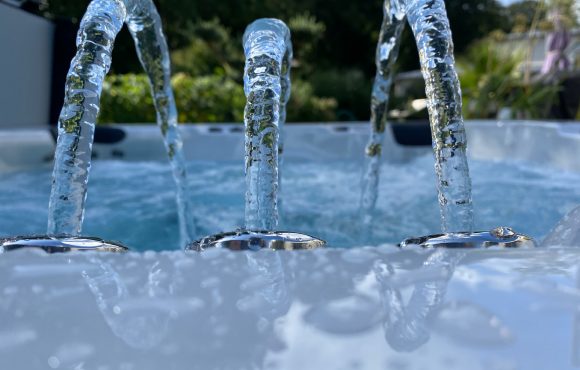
(365, 308)
(60, 244)
(501, 237)
(255, 240)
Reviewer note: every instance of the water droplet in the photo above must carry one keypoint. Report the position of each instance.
(37, 289)
(471, 324)
(347, 315)
(10, 290)
(53, 362)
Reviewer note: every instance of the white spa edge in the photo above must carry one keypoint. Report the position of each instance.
(329, 309)
(551, 144)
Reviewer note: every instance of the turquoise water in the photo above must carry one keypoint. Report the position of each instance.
(133, 202)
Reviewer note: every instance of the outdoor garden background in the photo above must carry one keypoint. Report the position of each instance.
(333, 68)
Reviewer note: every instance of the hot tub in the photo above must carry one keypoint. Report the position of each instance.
(362, 303)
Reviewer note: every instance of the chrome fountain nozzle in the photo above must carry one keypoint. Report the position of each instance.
(503, 237)
(256, 240)
(61, 244)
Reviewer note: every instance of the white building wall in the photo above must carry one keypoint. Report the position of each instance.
(534, 46)
(25, 68)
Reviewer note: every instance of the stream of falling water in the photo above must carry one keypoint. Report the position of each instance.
(266, 42)
(76, 126)
(430, 26)
(285, 85)
(144, 24)
(386, 56)
(98, 29)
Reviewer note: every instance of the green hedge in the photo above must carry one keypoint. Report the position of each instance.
(212, 98)
(127, 99)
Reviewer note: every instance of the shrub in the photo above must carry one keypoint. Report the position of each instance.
(306, 33)
(350, 89)
(492, 78)
(208, 99)
(211, 50)
(305, 106)
(127, 99)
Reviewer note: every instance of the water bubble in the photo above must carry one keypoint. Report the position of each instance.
(262, 324)
(37, 289)
(210, 282)
(471, 324)
(53, 362)
(357, 255)
(347, 315)
(14, 338)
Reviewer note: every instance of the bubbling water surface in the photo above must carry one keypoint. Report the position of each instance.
(321, 199)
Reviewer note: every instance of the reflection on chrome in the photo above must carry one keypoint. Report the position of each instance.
(60, 244)
(499, 237)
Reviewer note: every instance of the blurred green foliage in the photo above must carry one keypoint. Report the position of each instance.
(334, 49)
(307, 33)
(305, 106)
(127, 98)
(350, 88)
(210, 51)
(492, 78)
(208, 83)
(212, 98)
